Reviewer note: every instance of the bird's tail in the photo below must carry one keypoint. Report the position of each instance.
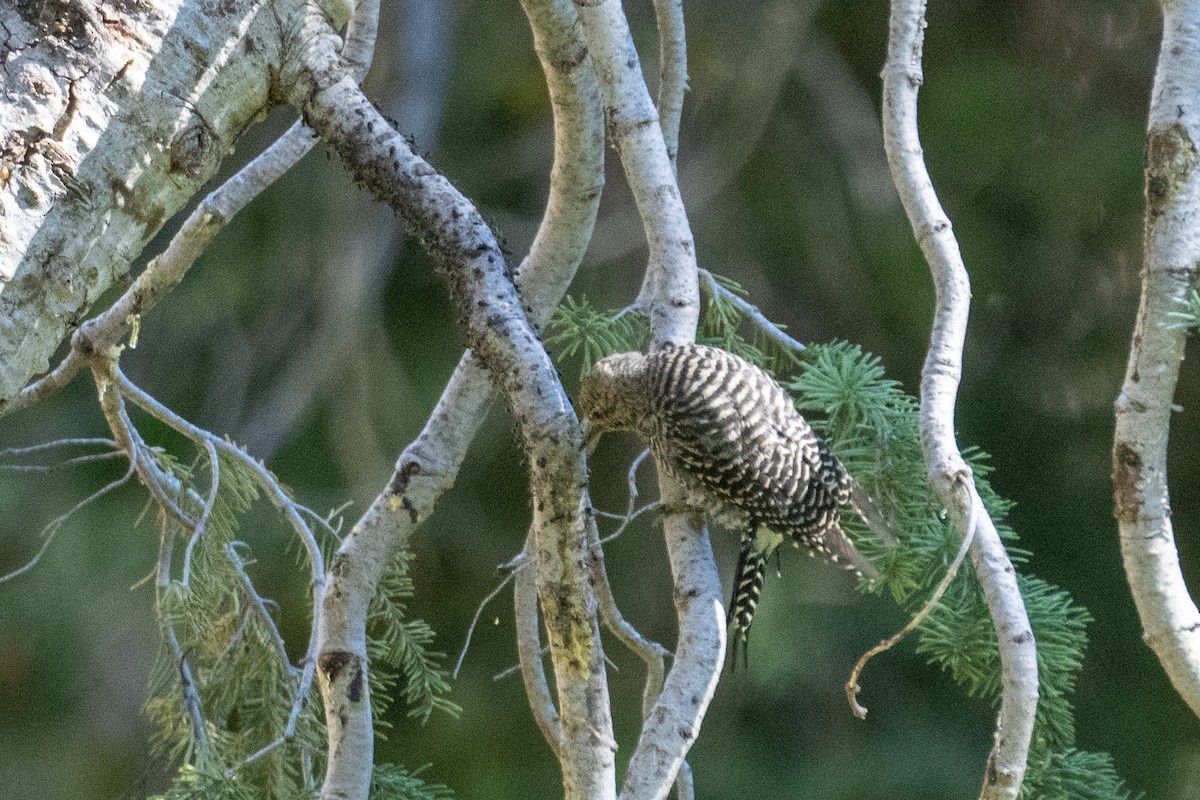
(747, 587)
(843, 552)
(870, 514)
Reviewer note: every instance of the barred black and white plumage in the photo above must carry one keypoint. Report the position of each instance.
(730, 434)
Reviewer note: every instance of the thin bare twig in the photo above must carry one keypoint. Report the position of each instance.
(54, 526)
(627, 519)
(57, 443)
(192, 706)
(70, 462)
(510, 569)
(214, 464)
(260, 605)
(529, 654)
(650, 652)
(852, 687)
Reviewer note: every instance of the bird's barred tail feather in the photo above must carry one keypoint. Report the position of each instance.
(747, 587)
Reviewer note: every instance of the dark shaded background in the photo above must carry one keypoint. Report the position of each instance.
(310, 334)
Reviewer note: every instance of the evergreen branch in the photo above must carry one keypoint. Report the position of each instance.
(393, 782)
(1074, 775)
(197, 784)
(404, 643)
(582, 330)
(273, 489)
(1187, 314)
(871, 425)
(258, 688)
(721, 291)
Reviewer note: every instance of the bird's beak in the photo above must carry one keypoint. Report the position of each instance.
(591, 436)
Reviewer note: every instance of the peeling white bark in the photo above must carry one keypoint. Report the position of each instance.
(1170, 619)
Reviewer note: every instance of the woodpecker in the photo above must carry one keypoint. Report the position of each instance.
(730, 434)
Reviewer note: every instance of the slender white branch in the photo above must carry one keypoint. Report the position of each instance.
(674, 721)
(672, 72)
(214, 465)
(948, 472)
(651, 653)
(1169, 617)
(192, 706)
(501, 336)
(670, 297)
(69, 462)
(670, 294)
(429, 465)
(57, 443)
(529, 652)
(510, 570)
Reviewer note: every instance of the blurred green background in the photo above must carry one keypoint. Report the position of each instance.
(311, 333)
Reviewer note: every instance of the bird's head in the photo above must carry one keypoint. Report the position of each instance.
(614, 396)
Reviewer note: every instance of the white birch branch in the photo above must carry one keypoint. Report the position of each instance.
(116, 144)
(498, 331)
(1169, 617)
(948, 472)
(672, 72)
(529, 651)
(166, 270)
(670, 296)
(674, 722)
